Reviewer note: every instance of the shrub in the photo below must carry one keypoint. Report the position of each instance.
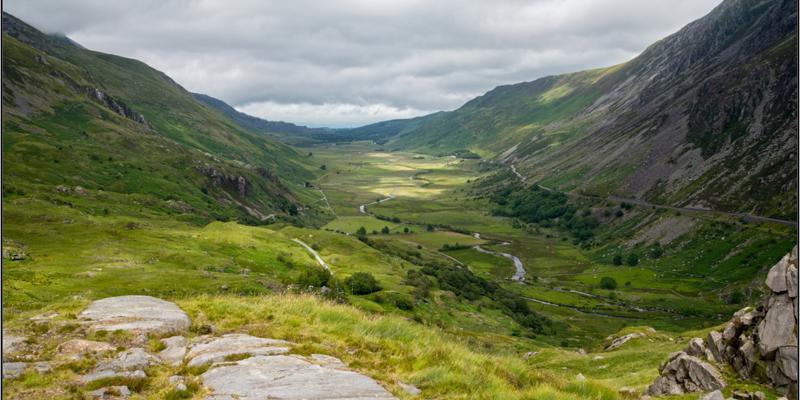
(608, 283)
(385, 230)
(362, 283)
(633, 259)
(617, 260)
(361, 231)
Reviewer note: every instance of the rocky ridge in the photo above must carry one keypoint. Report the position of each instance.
(758, 343)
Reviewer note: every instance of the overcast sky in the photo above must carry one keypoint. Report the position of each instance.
(351, 62)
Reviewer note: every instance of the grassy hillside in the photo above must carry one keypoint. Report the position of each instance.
(77, 118)
(705, 117)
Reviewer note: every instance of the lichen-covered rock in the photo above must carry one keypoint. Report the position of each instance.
(776, 278)
(716, 346)
(696, 348)
(616, 343)
(175, 350)
(287, 377)
(786, 359)
(77, 348)
(12, 370)
(138, 314)
(715, 395)
(215, 349)
(683, 373)
(778, 328)
(12, 343)
(110, 392)
(128, 364)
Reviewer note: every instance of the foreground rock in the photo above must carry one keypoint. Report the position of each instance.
(137, 314)
(763, 339)
(76, 348)
(12, 343)
(684, 374)
(288, 377)
(235, 345)
(128, 364)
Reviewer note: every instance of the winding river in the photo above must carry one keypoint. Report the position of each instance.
(363, 208)
(519, 275)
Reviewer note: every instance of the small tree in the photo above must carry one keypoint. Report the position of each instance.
(362, 283)
(608, 283)
(617, 260)
(323, 167)
(385, 230)
(633, 259)
(405, 230)
(361, 231)
(429, 228)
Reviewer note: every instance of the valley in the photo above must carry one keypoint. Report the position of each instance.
(554, 239)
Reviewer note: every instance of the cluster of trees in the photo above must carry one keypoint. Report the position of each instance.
(546, 208)
(465, 284)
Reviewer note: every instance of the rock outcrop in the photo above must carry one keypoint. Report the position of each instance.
(758, 342)
(233, 366)
(136, 314)
(116, 105)
(683, 373)
(288, 377)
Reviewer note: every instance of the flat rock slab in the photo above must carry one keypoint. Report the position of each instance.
(12, 343)
(128, 364)
(76, 348)
(288, 377)
(139, 314)
(13, 370)
(216, 349)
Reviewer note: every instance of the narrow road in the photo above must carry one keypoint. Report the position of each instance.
(576, 309)
(643, 203)
(519, 275)
(313, 253)
(363, 208)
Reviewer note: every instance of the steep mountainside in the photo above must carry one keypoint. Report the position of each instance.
(107, 126)
(705, 117)
(254, 123)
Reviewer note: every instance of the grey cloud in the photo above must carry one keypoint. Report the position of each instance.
(368, 60)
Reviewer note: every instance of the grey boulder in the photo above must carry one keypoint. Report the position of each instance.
(287, 377)
(138, 314)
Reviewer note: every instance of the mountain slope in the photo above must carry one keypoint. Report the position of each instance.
(705, 117)
(77, 118)
(254, 123)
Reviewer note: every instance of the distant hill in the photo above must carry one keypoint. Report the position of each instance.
(706, 117)
(254, 123)
(128, 136)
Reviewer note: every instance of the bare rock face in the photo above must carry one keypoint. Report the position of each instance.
(216, 349)
(765, 335)
(288, 377)
(778, 327)
(137, 314)
(683, 373)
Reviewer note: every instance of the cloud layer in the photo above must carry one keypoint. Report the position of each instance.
(350, 62)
